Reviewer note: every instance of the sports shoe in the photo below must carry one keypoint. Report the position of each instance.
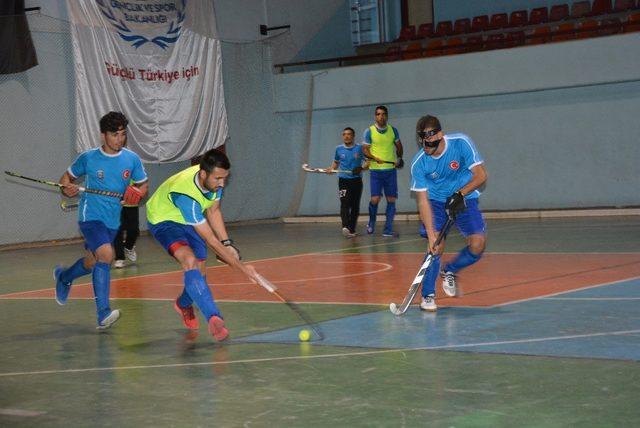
(345, 232)
(352, 235)
(217, 328)
(391, 234)
(62, 288)
(429, 303)
(109, 320)
(449, 283)
(118, 264)
(131, 254)
(370, 229)
(188, 317)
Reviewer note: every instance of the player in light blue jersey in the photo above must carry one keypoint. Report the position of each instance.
(349, 157)
(445, 176)
(109, 167)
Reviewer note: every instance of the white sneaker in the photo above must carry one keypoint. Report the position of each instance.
(429, 304)
(346, 232)
(131, 254)
(449, 283)
(109, 320)
(118, 264)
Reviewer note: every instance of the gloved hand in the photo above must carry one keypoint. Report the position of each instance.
(455, 204)
(132, 196)
(399, 163)
(357, 170)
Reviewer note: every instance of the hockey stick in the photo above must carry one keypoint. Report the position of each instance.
(68, 206)
(54, 184)
(307, 168)
(413, 290)
(263, 282)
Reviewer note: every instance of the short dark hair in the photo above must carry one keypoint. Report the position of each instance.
(348, 128)
(113, 122)
(383, 108)
(214, 159)
(425, 122)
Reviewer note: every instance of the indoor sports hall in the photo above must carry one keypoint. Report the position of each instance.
(545, 328)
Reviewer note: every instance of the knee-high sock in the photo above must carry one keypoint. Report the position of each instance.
(199, 292)
(101, 285)
(373, 213)
(184, 301)
(463, 259)
(391, 213)
(74, 271)
(429, 280)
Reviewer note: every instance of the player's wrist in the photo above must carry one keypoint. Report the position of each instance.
(227, 242)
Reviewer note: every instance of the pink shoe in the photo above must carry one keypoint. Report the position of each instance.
(217, 328)
(188, 317)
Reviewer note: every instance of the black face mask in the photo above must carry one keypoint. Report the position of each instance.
(428, 134)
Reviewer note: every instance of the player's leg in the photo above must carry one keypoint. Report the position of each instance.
(344, 194)
(64, 277)
(472, 226)
(428, 302)
(376, 183)
(131, 222)
(118, 243)
(391, 193)
(354, 202)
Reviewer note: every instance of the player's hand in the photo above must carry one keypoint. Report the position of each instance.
(436, 251)
(330, 170)
(232, 248)
(399, 163)
(132, 196)
(455, 204)
(70, 190)
(357, 170)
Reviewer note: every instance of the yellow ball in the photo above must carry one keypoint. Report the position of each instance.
(304, 335)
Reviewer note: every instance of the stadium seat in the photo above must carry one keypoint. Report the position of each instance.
(565, 31)
(632, 23)
(495, 41)
(623, 5)
(580, 9)
(434, 48)
(587, 28)
(444, 28)
(454, 45)
(609, 26)
(425, 31)
(394, 53)
(474, 43)
(514, 39)
(407, 33)
(600, 7)
(518, 18)
(498, 21)
(541, 34)
(558, 12)
(539, 15)
(462, 26)
(412, 51)
(479, 23)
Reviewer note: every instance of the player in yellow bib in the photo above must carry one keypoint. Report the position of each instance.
(185, 217)
(383, 146)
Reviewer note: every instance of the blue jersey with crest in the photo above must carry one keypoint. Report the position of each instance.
(446, 174)
(103, 171)
(348, 158)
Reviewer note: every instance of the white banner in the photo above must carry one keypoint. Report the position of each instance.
(159, 63)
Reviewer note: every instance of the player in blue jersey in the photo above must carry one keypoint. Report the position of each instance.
(383, 146)
(445, 176)
(109, 167)
(349, 157)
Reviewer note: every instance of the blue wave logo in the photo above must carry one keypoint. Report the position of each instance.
(167, 38)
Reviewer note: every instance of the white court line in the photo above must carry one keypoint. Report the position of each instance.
(592, 298)
(315, 357)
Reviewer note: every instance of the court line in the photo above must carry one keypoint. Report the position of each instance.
(314, 357)
(592, 298)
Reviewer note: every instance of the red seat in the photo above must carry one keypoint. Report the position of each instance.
(444, 28)
(580, 9)
(587, 28)
(600, 7)
(434, 48)
(632, 24)
(541, 34)
(412, 51)
(425, 31)
(518, 18)
(565, 31)
(474, 43)
(495, 41)
(623, 5)
(498, 21)
(539, 15)
(479, 23)
(407, 33)
(558, 12)
(514, 38)
(609, 26)
(393, 54)
(454, 45)
(462, 26)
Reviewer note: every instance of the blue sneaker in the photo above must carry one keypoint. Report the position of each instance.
(62, 288)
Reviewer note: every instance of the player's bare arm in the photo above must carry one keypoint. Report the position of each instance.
(478, 179)
(70, 189)
(426, 216)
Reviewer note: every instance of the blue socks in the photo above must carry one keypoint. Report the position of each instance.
(391, 213)
(373, 213)
(463, 259)
(429, 280)
(75, 271)
(101, 283)
(197, 289)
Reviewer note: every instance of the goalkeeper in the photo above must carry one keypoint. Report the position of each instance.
(445, 176)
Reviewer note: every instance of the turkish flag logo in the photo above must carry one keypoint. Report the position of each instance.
(126, 174)
(454, 165)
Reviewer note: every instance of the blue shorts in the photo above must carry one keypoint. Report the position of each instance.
(468, 222)
(96, 234)
(384, 180)
(172, 235)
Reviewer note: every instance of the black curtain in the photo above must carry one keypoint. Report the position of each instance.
(17, 53)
